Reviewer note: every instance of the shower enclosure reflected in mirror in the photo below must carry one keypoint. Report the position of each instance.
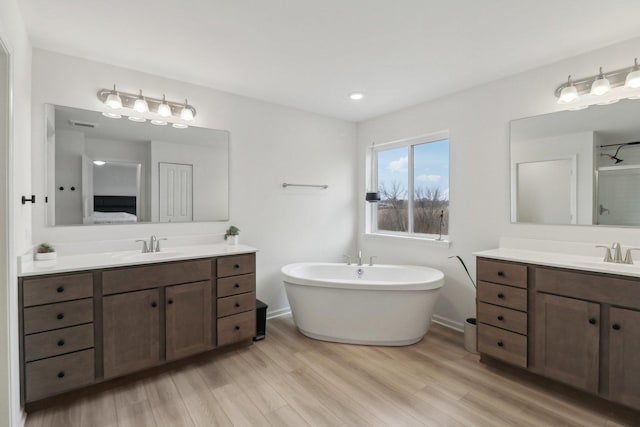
(115, 171)
(577, 167)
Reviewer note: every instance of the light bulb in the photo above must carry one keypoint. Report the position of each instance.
(569, 93)
(137, 119)
(633, 78)
(187, 113)
(164, 110)
(601, 85)
(158, 122)
(179, 126)
(141, 106)
(113, 100)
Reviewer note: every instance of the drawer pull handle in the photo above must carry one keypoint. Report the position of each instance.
(237, 304)
(592, 321)
(61, 374)
(60, 289)
(236, 266)
(154, 305)
(170, 301)
(237, 285)
(500, 344)
(501, 317)
(60, 343)
(237, 328)
(60, 316)
(616, 326)
(501, 295)
(500, 273)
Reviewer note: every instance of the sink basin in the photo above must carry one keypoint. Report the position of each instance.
(149, 256)
(610, 266)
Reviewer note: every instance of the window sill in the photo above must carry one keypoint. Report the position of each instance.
(421, 240)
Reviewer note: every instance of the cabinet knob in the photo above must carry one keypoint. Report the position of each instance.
(236, 266)
(500, 344)
(237, 328)
(61, 374)
(60, 289)
(500, 273)
(60, 343)
(237, 304)
(237, 285)
(616, 326)
(501, 295)
(154, 305)
(170, 301)
(501, 317)
(60, 316)
(593, 321)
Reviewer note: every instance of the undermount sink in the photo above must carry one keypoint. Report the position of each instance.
(146, 256)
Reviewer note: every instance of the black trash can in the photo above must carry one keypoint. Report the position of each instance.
(261, 320)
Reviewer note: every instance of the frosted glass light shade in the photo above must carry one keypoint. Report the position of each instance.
(164, 110)
(633, 79)
(187, 114)
(568, 94)
(141, 106)
(600, 86)
(114, 101)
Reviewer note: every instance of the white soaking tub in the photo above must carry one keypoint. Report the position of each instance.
(372, 305)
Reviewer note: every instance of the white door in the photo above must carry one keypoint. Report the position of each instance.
(176, 192)
(87, 189)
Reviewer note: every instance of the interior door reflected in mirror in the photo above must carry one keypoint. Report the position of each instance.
(102, 170)
(577, 167)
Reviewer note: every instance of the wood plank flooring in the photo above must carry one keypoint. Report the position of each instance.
(291, 380)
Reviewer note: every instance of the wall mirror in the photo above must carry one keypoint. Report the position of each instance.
(577, 167)
(102, 170)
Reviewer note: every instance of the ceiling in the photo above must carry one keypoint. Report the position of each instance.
(312, 54)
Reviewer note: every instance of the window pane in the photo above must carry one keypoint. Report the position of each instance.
(393, 184)
(431, 187)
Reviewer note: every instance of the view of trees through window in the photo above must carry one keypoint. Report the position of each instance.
(414, 188)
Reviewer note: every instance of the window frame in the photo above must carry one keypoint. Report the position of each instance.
(410, 143)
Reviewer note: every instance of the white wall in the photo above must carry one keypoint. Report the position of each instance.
(14, 35)
(269, 144)
(478, 122)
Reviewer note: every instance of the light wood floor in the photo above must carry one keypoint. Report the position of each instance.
(291, 380)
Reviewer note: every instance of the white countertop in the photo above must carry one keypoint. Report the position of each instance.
(92, 261)
(562, 260)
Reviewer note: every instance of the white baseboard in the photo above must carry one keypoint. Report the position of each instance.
(277, 313)
(448, 323)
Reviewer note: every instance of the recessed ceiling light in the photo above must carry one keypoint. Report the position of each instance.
(99, 162)
(356, 96)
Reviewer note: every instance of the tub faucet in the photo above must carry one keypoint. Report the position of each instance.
(371, 260)
(360, 257)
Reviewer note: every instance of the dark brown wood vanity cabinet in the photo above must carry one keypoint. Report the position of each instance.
(583, 328)
(502, 311)
(84, 328)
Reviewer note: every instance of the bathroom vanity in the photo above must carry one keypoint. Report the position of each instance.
(83, 327)
(575, 324)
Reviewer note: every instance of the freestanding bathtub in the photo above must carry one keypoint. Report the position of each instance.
(372, 305)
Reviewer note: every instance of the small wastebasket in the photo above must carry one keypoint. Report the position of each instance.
(261, 320)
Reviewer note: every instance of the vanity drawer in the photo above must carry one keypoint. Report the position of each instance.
(58, 374)
(236, 285)
(502, 317)
(236, 304)
(237, 264)
(154, 276)
(505, 296)
(61, 341)
(236, 328)
(505, 273)
(55, 316)
(504, 345)
(56, 289)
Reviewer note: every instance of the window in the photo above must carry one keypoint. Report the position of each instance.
(413, 180)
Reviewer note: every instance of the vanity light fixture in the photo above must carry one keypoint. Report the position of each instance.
(604, 88)
(113, 99)
(601, 85)
(140, 108)
(633, 78)
(140, 105)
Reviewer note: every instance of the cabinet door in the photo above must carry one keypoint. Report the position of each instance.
(624, 359)
(189, 319)
(131, 327)
(567, 337)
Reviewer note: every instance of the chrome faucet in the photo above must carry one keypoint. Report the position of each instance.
(359, 257)
(617, 254)
(371, 260)
(152, 246)
(145, 246)
(152, 243)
